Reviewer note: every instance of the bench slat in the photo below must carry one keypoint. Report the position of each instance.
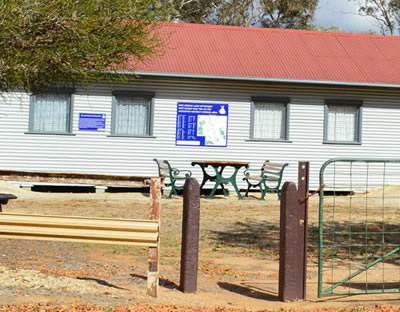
(271, 178)
(272, 172)
(278, 165)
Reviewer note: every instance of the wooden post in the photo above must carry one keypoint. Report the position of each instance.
(154, 252)
(190, 236)
(293, 237)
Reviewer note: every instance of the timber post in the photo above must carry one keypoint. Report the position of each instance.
(190, 236)
(154, 252)
(293, 237)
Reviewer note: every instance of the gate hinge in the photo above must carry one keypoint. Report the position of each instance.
(311, 194)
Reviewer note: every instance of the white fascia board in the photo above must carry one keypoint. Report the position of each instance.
(261, 79)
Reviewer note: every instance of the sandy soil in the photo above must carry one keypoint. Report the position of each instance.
(238, 264)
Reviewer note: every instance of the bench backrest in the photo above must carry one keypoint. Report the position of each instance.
(273, 171)
(164, 168)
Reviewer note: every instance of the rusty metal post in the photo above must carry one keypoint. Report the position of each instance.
(190, 236)
(154, 252)
(303, 194)
(293, 237)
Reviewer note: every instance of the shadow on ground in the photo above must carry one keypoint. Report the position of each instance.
(163, 282)
(100, 282)
(367, 240)
(248, 291)
(260, 235)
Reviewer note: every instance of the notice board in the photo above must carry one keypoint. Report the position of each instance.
(92, 122)
(202, 124)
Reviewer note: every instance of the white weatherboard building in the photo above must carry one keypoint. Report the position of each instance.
(260, 94)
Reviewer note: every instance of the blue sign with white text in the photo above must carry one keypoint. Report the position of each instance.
(202, 124)
(92, 122)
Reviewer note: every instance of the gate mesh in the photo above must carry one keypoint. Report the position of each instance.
(359, 226)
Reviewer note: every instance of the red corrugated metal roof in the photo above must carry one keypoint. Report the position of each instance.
(266, 53)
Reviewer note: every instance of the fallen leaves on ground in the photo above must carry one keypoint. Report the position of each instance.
(140, 307)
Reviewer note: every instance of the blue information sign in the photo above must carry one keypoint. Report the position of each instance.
(92, 122)
(202, 124)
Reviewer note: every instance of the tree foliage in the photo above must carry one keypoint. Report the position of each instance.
(238, 13)
(264, 13)
(189, 11)
(296, 14)
(45, 42)
(385, 12)
(331, 28)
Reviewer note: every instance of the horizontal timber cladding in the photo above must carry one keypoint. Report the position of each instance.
(80, 229)
(98, 152)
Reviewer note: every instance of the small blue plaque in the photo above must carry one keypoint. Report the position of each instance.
(92, 122)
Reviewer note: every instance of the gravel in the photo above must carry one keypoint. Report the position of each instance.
(30, 279)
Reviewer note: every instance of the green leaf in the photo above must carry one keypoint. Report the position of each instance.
(47, 42)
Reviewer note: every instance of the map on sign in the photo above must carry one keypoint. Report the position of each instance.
(202, 124)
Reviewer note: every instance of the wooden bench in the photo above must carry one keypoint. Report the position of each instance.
(268, 178)
(94, 230)
(166, 171)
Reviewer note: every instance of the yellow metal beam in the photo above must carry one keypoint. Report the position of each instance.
(80, 229)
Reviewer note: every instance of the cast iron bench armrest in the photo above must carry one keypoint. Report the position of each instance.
(173, 174)
(176, 173)
(248, 171)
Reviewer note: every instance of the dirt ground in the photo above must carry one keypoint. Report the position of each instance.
(238, 261)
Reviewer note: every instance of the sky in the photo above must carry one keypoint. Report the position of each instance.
(343, 13)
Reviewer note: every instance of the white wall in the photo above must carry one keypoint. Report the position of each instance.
(97, 152)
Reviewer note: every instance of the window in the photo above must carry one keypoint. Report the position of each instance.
(132, 114)
(51, 113)
(270, 118)
(342, 121)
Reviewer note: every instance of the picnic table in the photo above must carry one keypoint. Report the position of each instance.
(4, 198)
(219, 166)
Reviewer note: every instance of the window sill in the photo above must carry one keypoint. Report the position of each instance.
(131, 136)
(341, 143)
(269, 140)
(50, 133)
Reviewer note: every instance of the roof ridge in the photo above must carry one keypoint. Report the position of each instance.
(279, 30)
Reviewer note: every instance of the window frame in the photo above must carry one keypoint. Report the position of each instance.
(344, 102)
(63, 91)
(271, 99)
(150, 117)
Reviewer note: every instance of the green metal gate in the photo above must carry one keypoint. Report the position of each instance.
(359, 227)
